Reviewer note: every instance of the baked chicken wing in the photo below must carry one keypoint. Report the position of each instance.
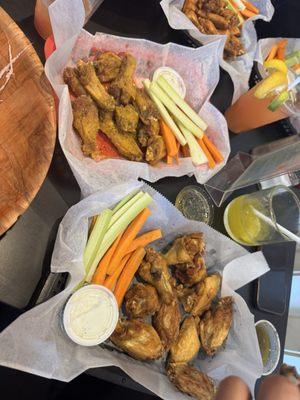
(147, 132)
(187, 345)
(141, 300)
(107, 66)
(70, 77)
(138, 339)
(93, 86)
(215, 325)
(154, 270)
(126, 118)
(167, 322)
(185, 248)
(145, 107)
(86, 124)
(123, 141)
(123, 88)
(191, 273)
(156, 150)
(191, 381)
(198, 299)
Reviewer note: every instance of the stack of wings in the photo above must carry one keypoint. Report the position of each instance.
(212, 17)
(155, 324)
(108, 100)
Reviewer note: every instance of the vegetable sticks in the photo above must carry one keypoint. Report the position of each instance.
(211, 161)
(111, 280)
(144, 240)
(217, 156)
(169, 139)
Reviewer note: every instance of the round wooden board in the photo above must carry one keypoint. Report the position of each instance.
(27, 125)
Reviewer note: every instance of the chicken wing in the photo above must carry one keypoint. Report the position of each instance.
(70, 77)
(147, 132)
(185, 248)
(145, 107)
(191, 381)
(187, 344)
(156, 150)
(107, 66)
(124, 142)
(198, 299)
(123, 88)
(86, 124)
(126, 118)
(138, 339)
(141, 300)
(233, 47)
(215, 325)
(93, 86)
(154, 270)
(191, 273)
(166, 322)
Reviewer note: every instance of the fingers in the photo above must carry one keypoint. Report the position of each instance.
(278, 388)
(233, 388)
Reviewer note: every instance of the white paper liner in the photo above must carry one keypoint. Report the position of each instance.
(36, 342)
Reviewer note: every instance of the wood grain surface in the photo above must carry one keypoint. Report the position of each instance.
(27, 125)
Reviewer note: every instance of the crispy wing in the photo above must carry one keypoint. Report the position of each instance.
(187, 345)
(70, 77)
(156, 150)
(185, 248)
(145, 107)
(154, 270)
(93, 86)
(191, 381)
(86, 124)
(124, 142)
(215, 325)
(126, 118)
(233, 47)
(166, 322)
(107, 66)
(141, 300)
(147, 132)
(191, 273)
(123, 88)
(138, 339)
(198, 299)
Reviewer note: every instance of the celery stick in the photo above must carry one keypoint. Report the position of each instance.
(171, 92)
(125, 207)
(124, 200)
(164, 113)
(96, 237)
(116, 229)
(197, 154)
(171, 106)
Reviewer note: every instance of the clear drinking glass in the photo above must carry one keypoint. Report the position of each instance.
(264, 217)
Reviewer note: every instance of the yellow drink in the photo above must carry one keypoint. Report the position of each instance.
(242, 224)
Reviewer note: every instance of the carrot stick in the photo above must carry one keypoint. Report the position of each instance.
(111, 280)
(169, 138)
(247, 13)
(280, 53)
(272, 52)
(211, 161)
(169, 160)
(217, 156)
(251, 7)
(282, 43)
(127, 238)
(177, 154)
(128, 273)
(100, 273)
(185, 150)
(144, 240)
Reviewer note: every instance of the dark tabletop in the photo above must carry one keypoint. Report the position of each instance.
(36, 229)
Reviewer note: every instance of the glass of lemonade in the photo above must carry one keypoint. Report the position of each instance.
(264, 217)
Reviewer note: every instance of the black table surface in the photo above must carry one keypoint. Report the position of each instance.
(143, 19)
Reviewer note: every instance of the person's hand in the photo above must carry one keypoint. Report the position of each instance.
(272, 388)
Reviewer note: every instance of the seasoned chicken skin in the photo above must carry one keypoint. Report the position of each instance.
(156, 150)
(107, 66)
(167, 322)
(191, 273)
(86, 124)
(185, 248)
(141, 300)
(145, 107)
(191, 381)
(138, 339)
(93, 86)
(154, 270)
(126, 118)
(70, 77)
(198, 299)
(215, 324)
(123, 141)
(123, 88)
(187, 345)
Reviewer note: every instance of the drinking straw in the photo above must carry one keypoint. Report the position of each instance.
(294, 83)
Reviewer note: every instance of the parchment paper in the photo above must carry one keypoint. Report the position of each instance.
(36, 342)
(239, 69)
(262, 51)
(198, 67)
